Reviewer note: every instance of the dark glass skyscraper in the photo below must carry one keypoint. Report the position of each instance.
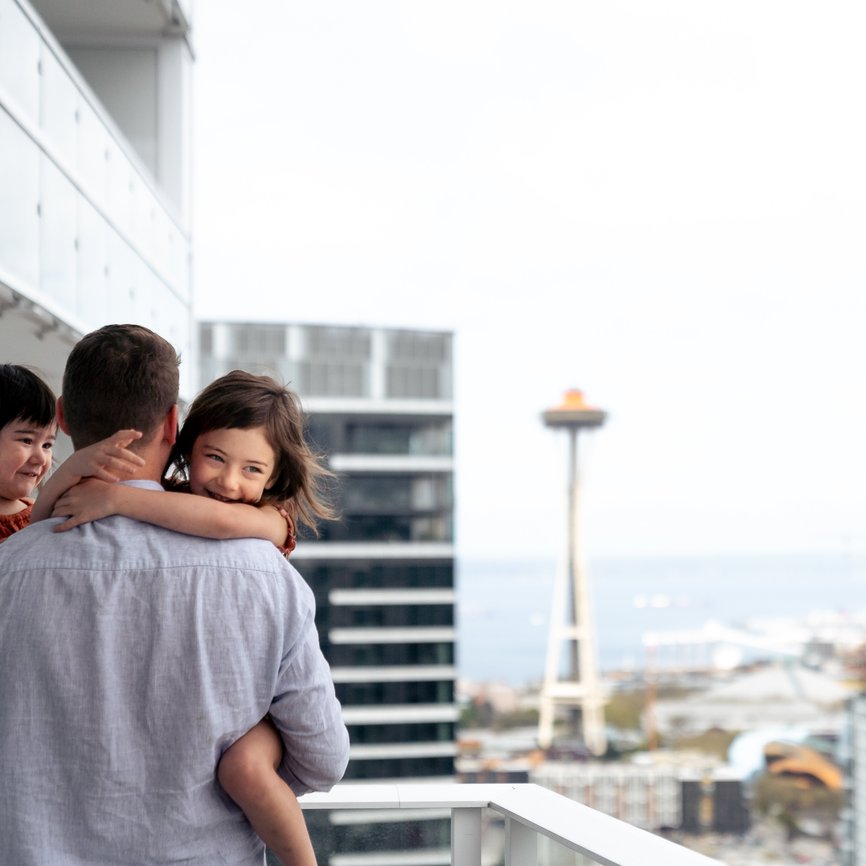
(379, 404)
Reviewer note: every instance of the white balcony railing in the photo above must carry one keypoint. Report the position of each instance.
(532, 815)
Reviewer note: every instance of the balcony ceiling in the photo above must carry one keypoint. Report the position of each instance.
(35, 339)
(99, 19)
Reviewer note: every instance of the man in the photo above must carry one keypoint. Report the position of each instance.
(133, 656)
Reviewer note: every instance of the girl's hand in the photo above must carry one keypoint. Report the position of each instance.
(87, 501)
(109, 459)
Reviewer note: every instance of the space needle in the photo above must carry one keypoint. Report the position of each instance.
(576, 688)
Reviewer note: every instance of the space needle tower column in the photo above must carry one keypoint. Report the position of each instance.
(571, 627)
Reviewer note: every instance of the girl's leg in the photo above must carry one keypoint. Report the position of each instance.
(247, 771)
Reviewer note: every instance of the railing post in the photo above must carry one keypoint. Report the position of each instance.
(466, 837)
(521, 844)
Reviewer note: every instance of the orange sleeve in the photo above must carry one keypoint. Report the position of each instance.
(289, 544)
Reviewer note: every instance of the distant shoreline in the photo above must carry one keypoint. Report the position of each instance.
(504, 605)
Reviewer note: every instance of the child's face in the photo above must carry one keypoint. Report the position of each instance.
(25, 457)
(232, 465)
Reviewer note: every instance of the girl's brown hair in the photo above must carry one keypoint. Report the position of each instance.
(240, 400)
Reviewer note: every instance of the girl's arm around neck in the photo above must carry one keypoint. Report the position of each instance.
(108, 460)
(182, 512)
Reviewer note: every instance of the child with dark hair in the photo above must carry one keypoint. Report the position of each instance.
(242, 450)
(27, 434)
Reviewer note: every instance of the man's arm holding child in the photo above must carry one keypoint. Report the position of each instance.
(305, 710)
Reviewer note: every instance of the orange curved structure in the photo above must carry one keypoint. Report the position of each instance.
(803, 764)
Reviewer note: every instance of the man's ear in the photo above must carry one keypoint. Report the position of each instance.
(61, 418)
(169, 430)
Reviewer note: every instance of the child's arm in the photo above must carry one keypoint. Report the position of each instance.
(109, 460)
(183, 512)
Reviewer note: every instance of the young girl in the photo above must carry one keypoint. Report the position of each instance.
(242, 468)
(27, 434)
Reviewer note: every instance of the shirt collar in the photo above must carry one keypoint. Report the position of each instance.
(144, 483)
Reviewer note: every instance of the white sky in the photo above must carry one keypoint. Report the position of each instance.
(662, 202)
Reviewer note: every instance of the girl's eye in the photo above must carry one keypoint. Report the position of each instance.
(48, 446)
(26, 440)
(254, 469)
(214, 457)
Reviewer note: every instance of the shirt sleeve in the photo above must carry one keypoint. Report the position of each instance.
(306, 712)
(289, 544)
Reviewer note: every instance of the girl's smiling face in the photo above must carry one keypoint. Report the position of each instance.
(25, 458)
(232, 465)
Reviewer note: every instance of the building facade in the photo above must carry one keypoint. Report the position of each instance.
(94, 174)
(379, 403)
(654, 797)
(852, 748)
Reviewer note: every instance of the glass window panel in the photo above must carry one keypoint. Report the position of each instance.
(346, 835)
(418, 380)
(329, 342)
(395, 768)
(58, 229)
(19, 192)
(19, 60)
(552, 853)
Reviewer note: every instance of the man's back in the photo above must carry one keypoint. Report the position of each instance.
(132, 657)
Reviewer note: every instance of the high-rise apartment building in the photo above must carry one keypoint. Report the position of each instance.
(380, 407)
(852, 749)
(94, 174)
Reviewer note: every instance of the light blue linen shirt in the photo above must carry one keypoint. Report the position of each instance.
(131, 657)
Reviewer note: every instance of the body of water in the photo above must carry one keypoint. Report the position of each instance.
(504, 607)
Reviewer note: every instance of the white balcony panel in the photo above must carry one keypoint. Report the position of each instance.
(121, 182)
(407, 673)
(91, 161)
(144, 207)
(346, 597)
(19, 193)
(58, 237)
(19, 61)
(87, 238)
(93, 242)
(391, 463)
(374, 550)
(391, 635)
(402, 750)
(400, 714)
(59, 107)
(122, 268)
